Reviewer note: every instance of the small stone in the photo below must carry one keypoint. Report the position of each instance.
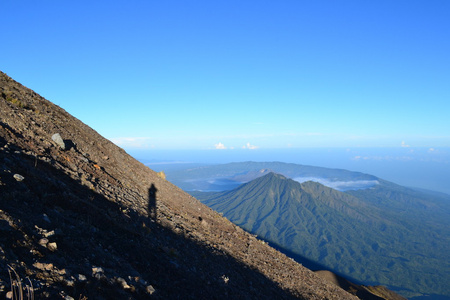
(18, 177)
(225, 279)
(52, 246)
(43, 266)
(48, 233)
(204, 224)
(43, 242)
(69, 282)
(96, 270)
(122, 282)
(150, 289)
(81, 277)
(59, 141)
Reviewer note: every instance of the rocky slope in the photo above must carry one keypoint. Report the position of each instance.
(90, 222)
(362, 291)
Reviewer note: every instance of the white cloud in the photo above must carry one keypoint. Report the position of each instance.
(340, 185)
(404, 144)
(220, 146)
(132, 142)
(248, 146)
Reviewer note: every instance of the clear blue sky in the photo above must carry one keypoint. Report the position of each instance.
(232, 74)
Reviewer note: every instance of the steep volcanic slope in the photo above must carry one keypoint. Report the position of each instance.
(90, 222)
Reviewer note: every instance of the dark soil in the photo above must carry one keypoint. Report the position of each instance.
(91, 222)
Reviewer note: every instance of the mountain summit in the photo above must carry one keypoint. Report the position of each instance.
(386, 234)
(81, 219)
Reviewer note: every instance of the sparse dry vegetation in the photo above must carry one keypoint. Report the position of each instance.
(17, 288)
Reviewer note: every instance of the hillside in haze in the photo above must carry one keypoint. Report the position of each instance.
(385, 234)
(82, 219)
(227, 176)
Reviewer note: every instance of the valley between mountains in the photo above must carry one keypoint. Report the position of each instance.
(373, 231)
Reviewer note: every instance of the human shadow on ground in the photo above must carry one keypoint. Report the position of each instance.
(152, 210)
(100, 241)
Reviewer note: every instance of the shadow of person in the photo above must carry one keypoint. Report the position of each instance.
(152, 213)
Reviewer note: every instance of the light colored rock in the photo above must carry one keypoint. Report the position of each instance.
(43, 266)
(52, 246)
(123, 283)
(96, 270)
(150, 289)
(69, 282)
(204, 223)
(48, 233)
(59, 141)
(225, 279)
(81, 277)
(18, 177)
(43, 242)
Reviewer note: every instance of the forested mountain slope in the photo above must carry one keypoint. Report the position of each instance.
(382, 235)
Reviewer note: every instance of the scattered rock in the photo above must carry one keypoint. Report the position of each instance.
(81, 277)
(43, 242)
(150, 290)
(18, 177)
(59, 141)
(122, 282)
(44, 232)
(69, 282)
(204, 223)
(225, 279)
(43, 266)
(49, 233)
(96, 270)
(52, 246)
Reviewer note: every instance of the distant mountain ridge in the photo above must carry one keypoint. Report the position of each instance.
(227, 176)
(386, 234)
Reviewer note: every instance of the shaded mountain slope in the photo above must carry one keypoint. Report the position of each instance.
(351, 235)
(90, 222)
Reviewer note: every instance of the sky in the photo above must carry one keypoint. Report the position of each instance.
(196, 74)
